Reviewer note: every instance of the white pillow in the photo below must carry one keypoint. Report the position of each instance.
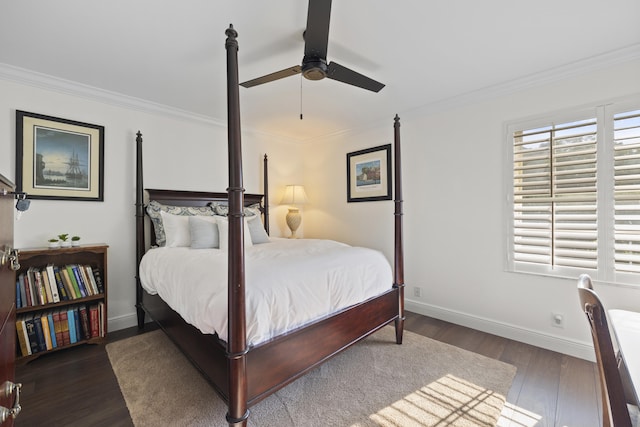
(204, 232)
(256, 229)
(176, 229)
(223, 231)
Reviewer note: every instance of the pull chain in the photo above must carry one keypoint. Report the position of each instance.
(300, 96)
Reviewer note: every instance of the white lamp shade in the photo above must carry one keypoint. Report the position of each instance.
(294, 195)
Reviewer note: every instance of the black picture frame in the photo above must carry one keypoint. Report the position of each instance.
(369, 174)
(59, 159)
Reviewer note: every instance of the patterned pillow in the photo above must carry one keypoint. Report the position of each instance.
(154, 208)
(223, 210)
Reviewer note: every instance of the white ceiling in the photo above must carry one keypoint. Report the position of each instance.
(426, 52)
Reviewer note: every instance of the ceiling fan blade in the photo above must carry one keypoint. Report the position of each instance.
(287, 72)
(316, 36)
(342, 74)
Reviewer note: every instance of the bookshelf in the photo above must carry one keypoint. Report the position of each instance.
(77, 314)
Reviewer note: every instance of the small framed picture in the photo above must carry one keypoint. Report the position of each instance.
(369, 174)
(59, 158)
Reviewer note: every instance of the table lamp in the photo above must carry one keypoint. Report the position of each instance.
(294, 195)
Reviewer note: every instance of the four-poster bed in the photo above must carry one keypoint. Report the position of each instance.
(243, 373)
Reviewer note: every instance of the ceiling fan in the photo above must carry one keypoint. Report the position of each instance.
(314, 63)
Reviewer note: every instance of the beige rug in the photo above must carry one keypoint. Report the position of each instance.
(422, 382)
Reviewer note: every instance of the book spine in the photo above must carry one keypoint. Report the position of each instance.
(92, 279)
(58, 327)
(18, 295)
(76, 317)
(35, 295)
(45, 284)
(64, 327)
(23, 291)
(95, 321)
(85, 279)
(44, 291)
(67, 283)
(30, 326)
(46, 332)
(62, 291)
(52, 283)
(76, 287)
(83, 287)
(52, 329)
(101, 317)
(37, 322)
(84, 322)
(98, 278)
(73, 338)
(23, 338)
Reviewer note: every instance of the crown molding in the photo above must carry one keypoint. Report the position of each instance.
(563, 72)
(68, 87)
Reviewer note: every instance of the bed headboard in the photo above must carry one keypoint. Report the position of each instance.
(200, 198)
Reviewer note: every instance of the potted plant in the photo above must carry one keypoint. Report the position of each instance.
(64, 240)
(75, 241)
(54, 243)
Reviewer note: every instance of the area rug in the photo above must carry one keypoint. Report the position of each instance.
(422, 382)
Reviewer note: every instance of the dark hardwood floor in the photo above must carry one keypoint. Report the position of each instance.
(76, 387)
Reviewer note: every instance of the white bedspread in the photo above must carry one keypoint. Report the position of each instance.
(288, 283)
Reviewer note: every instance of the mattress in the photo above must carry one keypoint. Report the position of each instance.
(288, 283)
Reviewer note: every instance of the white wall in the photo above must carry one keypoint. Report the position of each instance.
(454, 199)
(454, 228)
(180, 153)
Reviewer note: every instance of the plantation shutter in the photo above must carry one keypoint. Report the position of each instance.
(626, 136)
(554, 190)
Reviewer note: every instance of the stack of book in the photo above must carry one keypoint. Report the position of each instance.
(52, 284)
(50, 329)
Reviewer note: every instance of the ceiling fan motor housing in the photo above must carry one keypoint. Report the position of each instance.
(314, 68)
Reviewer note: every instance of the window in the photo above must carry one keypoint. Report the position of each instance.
(575, 194)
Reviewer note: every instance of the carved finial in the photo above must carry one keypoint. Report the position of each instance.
(231, 32)
(138, 136)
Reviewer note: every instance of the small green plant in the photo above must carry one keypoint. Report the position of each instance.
(63, 237)
(75, 238)
(52, 240)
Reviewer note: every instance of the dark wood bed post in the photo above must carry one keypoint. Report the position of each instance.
(237, 340)
(140, 240)
(265, 188)
(398, 279)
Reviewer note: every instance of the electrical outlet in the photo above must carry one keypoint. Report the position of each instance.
(417, 292)
(557, 320)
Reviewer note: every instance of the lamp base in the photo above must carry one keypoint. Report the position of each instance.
(293, 221)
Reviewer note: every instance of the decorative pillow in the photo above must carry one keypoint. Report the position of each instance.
(154, 208)
(223, 210)
(256, 230)
(204, 232)
(223, 230)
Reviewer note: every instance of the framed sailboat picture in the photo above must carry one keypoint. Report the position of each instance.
(59, 158)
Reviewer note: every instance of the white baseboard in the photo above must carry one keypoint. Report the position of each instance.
(122, 322)
(550, 342)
